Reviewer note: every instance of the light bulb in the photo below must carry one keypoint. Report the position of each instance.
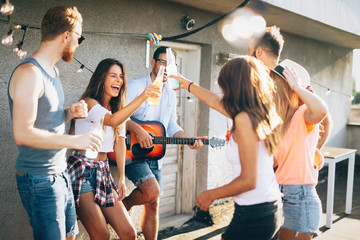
(328, 92)
(21, 53)
(7, 8)
(351, 97)
(8, 39)
(81, 69)
(190, 100)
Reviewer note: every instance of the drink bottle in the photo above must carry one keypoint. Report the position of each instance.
(158, 82)
(171, 69)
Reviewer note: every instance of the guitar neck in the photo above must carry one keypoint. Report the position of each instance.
(174, 140)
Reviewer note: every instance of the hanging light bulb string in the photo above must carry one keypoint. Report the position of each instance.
(329, 90)
(7, 9)
(82, 66)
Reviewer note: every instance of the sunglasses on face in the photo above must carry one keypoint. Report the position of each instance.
(81, 39)
(162, 61)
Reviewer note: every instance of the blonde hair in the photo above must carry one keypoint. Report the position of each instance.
(247, 87)
(286, 100)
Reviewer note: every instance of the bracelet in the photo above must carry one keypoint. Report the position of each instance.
(189, 86)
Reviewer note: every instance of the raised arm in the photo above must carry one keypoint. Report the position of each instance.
(26, 87)
(316, 107)
(208, 97)
(121, 115)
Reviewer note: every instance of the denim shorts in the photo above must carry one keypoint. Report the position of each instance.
(90, 181)
(259, 221)
(140, 171)
(49, 203)
(302, 208)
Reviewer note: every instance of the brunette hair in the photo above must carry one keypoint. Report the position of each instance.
(272, 41)
(95, 88)
(57, 20)
(247, 87)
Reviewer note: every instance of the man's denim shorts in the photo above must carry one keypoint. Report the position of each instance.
(302, 208)
(49, 202)
(140, 171)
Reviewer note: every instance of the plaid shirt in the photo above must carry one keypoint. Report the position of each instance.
(77, 163)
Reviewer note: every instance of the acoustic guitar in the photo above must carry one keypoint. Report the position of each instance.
(157, 151)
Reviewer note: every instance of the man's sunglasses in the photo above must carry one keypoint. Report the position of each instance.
(81, 39)
(162, 61)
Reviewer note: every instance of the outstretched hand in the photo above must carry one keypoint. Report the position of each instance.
(183, 82)
(152, 91)
(79, 109)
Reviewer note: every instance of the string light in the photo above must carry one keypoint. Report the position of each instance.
(351, 98)
(8, 38)
(81, 69)
(21, 53)
(328, 92)
(7, 8)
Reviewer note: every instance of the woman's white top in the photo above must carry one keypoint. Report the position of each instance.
(267, 189)
(84, 125)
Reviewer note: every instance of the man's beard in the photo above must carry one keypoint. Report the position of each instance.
(68, 54)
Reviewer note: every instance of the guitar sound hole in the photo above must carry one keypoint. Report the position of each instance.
(138, 151)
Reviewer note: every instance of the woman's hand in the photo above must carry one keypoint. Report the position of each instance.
(122, 190)
(204, 200)
(184, 82)
(292, 78)
(151, 91)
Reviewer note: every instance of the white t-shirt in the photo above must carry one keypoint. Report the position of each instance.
(267, 189)
(84, 125)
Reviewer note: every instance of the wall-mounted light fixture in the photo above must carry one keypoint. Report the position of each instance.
(187, 22)
(222, 58)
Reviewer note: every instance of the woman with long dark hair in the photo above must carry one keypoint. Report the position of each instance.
(248, 93)
(98, 199)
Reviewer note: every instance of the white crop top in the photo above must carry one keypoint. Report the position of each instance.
(84, 125)
(267, 189)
